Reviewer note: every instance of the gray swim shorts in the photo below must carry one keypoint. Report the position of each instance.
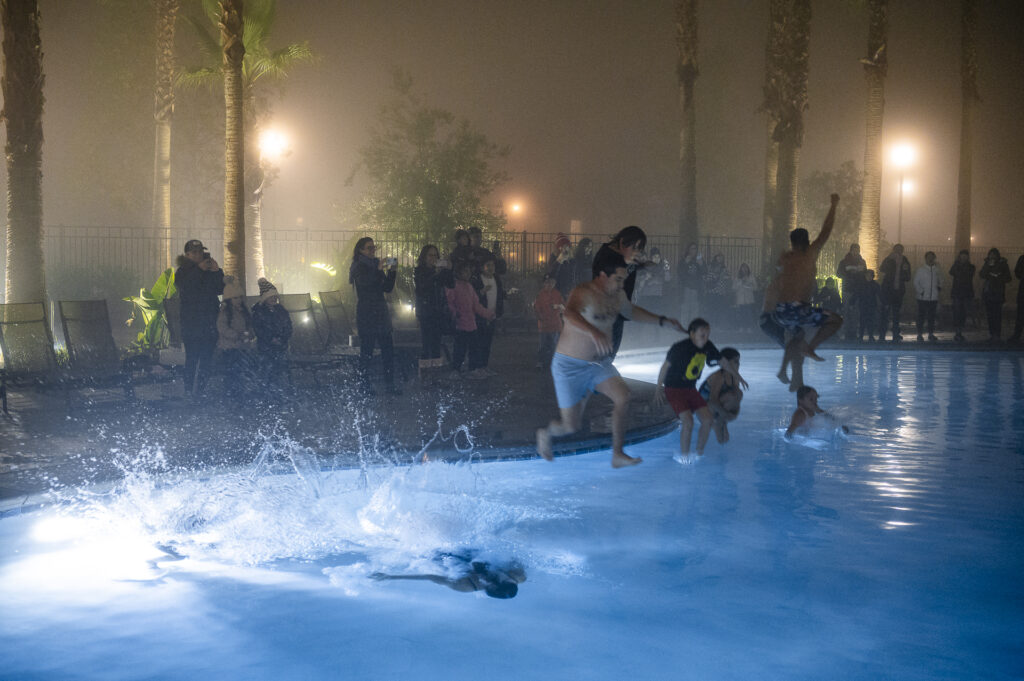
(577, 378)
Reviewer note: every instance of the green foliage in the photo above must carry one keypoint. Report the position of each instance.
(429, 172)
(812, 203)
(149, 305)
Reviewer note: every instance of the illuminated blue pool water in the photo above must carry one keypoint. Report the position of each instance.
(896, 553)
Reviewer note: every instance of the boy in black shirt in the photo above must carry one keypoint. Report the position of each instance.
(678, 377)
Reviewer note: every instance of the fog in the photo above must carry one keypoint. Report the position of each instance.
(583, 93)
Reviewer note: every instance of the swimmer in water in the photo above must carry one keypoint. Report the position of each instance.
(497, 581)
(806, 410)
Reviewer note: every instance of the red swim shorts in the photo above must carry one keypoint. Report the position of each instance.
(684, 399)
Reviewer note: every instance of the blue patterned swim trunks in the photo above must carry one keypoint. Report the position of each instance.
(795, 315)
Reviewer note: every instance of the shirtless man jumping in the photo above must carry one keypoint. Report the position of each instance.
(583, 358)
(792, 291)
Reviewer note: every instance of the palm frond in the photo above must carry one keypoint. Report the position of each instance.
(277, 64)
(196, 78)
(209, 42)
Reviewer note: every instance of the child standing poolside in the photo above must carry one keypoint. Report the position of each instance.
(677, 383)
(722, 392)
(549, 306)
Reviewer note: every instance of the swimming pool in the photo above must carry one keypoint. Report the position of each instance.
(894, 553)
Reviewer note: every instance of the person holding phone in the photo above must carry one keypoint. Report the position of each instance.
(372, 278)
(199, 281)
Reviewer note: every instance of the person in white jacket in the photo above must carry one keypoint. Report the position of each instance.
(927, 284)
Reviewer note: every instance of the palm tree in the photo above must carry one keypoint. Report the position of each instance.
(687, 72)
(234, 138)
(874, 70)
(786, 100)
(166, 14)
(22, 86)
(969, 95)
(259, 63)
(772, 78)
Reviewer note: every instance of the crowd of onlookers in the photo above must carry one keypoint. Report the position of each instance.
(460, 295)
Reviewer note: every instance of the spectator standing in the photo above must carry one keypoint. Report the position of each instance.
(199, 281)
(273, 328)
(851, 272)
(1018, 271)
(430, 281)
(548, 305)
(464, 306)
(463, 251)
(870, 294)
(691, 281)
(653, 279)
(628, 244)
(717, 285)
(828, 296)
(373, 278)
(234, 340)
(927, 285)
(561, 266)
(995, 275)
(492, 297)
(743, 287)
(581, 261)
(479, 254)
(895, 275)
(962, 291)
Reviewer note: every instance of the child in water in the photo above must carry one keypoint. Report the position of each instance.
(677, 383)
(808, 414)
(722, 393)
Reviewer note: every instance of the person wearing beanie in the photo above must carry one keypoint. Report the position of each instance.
(373, 278)
(273, 327)
(199, 281)
(234, 340)
(560, 265)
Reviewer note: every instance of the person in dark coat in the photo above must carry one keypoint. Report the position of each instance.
(199, 281)
(430, 281)
(583, 256)
(480, 254)
(629, 245)
(463, 251)
(962, 291)
(851, 272)
(561, 265)
(870, 293)
(491, 292)
(895, 275)
(273, 328)
(372, 279)
(1018, 271)
(995, 275)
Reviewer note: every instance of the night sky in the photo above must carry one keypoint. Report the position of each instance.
(584, 94)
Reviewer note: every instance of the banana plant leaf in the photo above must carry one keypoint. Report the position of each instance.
(149, 308)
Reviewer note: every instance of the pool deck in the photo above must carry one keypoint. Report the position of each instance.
(45, 445)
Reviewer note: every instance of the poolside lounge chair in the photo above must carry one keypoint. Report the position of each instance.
(26, 349)
(340, 329)
(308, 348)
(93, 358)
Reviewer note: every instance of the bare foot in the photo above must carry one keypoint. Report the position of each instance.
(544, 444)
(684, 459)
(808, 352)
(621, 460)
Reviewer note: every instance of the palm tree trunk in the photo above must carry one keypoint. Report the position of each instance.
(771, 183)
(969, 95)
(234, 139)
(687, 72)
(870, 232)
(786, 100)
(254, 186)
(166, 14)
(22, 86)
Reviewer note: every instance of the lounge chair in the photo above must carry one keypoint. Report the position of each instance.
(308, 348)
(26, 349)
(341, 332)
(93, 358)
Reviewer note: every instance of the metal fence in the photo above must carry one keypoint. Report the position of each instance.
(84, 261)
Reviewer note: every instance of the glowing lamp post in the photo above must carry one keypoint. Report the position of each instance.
(903, 156)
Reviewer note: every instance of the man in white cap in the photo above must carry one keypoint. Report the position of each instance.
(199, 281)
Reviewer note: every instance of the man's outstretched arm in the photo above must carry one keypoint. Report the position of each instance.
(826, 227)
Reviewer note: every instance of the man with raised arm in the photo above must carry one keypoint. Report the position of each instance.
(793, 288)
(583, 357)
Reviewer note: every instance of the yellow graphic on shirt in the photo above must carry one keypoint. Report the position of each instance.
(696, 366)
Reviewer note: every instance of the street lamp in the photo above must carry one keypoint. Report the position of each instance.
(903, 156)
